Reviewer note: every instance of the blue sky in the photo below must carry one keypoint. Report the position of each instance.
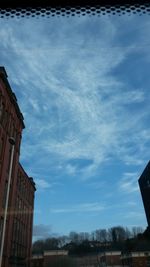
(82, 84)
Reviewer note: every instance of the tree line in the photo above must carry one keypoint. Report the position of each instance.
(75, 242)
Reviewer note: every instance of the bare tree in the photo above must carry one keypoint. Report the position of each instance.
(136, 230)
(93, 236)
(74, 237)
(83, 236)
(38, 247)
(117, 234)
(101, 235)
(128, 233)
(63, 240)
(51, 243)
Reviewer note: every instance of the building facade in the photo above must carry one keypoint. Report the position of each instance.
(110, 258)
(144, 184)
(17, 244)
(62, 258)
(136, 259)
(53, 258)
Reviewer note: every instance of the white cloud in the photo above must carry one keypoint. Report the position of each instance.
(71, 170)
(74, 90)
(129, 160)
(41, 231)
(131, 203)
(129, 183)
(97, 185)
(85, 207)
(79, 105)
(42, 184)
(134, 214)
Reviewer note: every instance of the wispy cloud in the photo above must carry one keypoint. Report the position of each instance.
(41, 231)
(97, 185)
(74, 95)
(42, 184)
(86, 105)
(129, 183)
(131, 203)
(134, 214)
(85, 207)
(70, 169)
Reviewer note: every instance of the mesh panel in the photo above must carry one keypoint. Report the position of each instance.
(75, 11)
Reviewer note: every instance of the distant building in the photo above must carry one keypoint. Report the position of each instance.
(17, 245)
(37, 260)
(136, 259)
(144, 183)
(110, 258)
(54, 258)
(61, 258)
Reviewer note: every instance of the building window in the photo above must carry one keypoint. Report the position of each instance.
(13, 131)
(1, 228)
(9, 159)
(148, 183)
(0, 107)
(5, 118)
(1, 147)
(5, 194)
(19, 141)
(1, 111)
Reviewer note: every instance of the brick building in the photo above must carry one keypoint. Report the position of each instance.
(136, 259)
(61, 258)
(53, 258)
(144, 183)
(110, 258)
(17, 245)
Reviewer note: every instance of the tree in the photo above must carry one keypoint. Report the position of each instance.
(93, 236)
(51, 243)
(128, 233)
(83, 236)
(136, 230)
(63, 240)
(103, 235)
(38, 247)
(74, 237)
(117, 234)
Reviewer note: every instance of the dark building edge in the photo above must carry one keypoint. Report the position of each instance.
(30, 178)
(145, 192)
(12, 95)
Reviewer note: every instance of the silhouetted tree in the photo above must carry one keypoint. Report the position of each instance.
(117, 234)
(136, 230)
(75, 242)
(82, 236)
(51, 243)
(74, 237)
(63, 240)
(38, 247)
(101, 235)
(93, 236)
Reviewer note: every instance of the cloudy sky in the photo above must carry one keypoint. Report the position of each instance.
(83, 86)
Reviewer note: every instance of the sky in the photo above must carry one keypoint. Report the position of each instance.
(83, 86)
